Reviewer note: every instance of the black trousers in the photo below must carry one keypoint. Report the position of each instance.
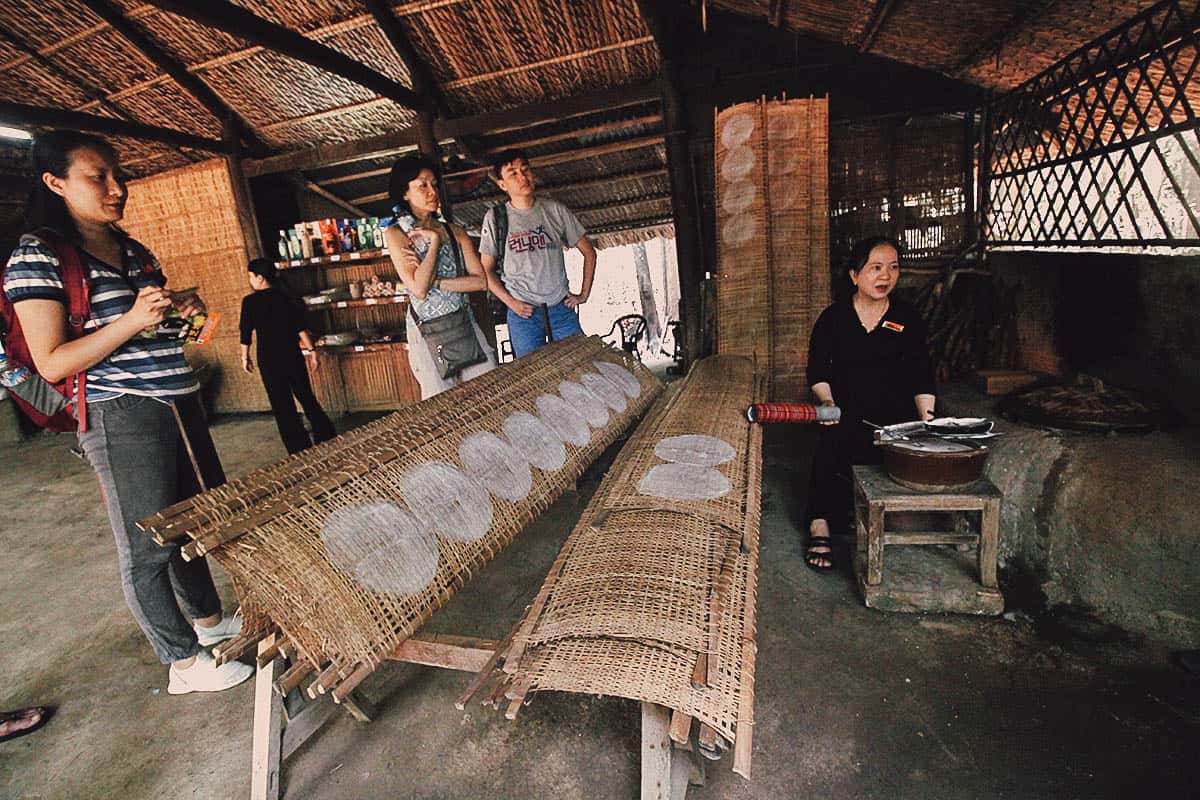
(284, 382)
(831, 488)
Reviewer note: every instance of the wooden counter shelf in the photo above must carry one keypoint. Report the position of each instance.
(359, 303)
(372, 347)
(338, 258)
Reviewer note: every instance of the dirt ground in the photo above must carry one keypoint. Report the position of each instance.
(850, 703)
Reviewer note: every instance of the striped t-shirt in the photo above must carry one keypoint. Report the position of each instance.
(142, 366)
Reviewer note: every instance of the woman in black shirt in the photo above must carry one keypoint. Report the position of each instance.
(279, 321)
(868, 356)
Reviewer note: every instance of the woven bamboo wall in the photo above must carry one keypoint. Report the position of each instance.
(772, 190)
(188, 220)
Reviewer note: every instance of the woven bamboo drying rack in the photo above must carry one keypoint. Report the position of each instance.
(652, 598)
(266, 529)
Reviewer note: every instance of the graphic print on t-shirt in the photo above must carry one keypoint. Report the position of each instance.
(529, 241)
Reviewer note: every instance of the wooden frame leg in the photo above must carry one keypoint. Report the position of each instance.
(665, 770)
(268, 726)
(989, 542)
(874, 543)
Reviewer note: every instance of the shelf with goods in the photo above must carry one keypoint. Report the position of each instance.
(361, 376)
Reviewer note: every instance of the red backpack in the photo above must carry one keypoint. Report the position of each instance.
(48, 405)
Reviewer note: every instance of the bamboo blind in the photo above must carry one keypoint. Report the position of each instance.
(188, 220)
(772, 194)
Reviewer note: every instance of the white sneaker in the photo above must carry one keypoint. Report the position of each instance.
(229, 627)
(205, 676)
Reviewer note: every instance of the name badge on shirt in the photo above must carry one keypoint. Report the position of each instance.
(892, 326)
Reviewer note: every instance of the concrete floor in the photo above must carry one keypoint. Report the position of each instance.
(851, 703)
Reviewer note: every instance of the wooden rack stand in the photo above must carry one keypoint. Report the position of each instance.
(670, 762)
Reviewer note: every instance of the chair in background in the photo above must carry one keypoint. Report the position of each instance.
(632, 330)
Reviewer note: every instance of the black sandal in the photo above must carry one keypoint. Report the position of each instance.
(43, 714)
(819, 549)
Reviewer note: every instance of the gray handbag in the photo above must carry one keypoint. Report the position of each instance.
(450, 338)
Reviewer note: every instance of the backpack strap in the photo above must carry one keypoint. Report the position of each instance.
(76, 287)
(500, 226)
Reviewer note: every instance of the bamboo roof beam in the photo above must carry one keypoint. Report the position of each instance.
(587, 183)
(198, 89)
(877, 19)
(549, 62)
(632, 224)
(776, 12)
(592, 130)
(635, 201)
(325, 31)
(1026, 13)
(340, 202)
(237, 21)
(577, 155)
(489, 122)
(21, 114)
(87, 86)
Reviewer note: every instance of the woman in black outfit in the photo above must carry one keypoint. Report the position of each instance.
(868, 356)
(279, 321)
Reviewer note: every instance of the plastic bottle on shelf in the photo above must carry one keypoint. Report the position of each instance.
(294, 249)
(377, 232)
(330, 238)
(282, 246)
(306, 250)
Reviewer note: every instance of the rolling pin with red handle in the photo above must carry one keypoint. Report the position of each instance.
(792, 412)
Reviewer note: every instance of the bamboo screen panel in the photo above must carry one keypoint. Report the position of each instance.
(772, 235)
(652, 597)
(349, 546)
(188, 220)
(907, 178)
(1103, 148)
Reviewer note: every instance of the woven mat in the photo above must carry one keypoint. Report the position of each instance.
(644, 585)
(349, 547)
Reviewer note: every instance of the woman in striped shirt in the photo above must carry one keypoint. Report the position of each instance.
(131, 437)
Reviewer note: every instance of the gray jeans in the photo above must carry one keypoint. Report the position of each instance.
(134, 445)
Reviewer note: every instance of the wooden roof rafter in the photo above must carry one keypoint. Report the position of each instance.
(1026, 13)
(84, 85)
(21, 114)
(198, 89)
(488, 122)
(878, 17)
(237, 21)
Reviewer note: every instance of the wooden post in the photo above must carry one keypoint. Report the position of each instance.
(989, 541)
(679, 166)
(268, 722)
(247, 220)
(874, 542)
(663, 777)
(646, 292)
(428, 146)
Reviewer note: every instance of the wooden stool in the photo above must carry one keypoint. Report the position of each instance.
(876, 495)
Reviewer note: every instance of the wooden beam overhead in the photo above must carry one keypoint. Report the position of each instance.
(587, 183)
(549, 62)
(592, 130)
(633, 224)
(1025, 15)
(418, 72)
(490, 122)
(879, 16)
(198, 89)
(576, 155)
(635, 201)
(20, 114)
(237, 21)
(776, 13)
(340, 202)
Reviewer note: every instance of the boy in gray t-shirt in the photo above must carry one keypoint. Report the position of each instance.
(534, 286)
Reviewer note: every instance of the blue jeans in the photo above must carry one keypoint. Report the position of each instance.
(135, 448)
(528, 335)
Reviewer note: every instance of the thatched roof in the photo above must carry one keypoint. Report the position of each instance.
(468, 61)
(996, 44)
(479, 56)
